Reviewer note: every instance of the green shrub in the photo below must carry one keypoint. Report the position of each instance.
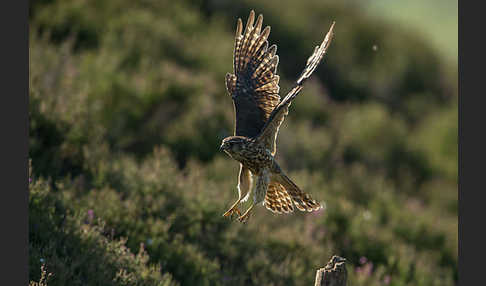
(127, 108)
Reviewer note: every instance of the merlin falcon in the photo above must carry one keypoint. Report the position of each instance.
(259, 112)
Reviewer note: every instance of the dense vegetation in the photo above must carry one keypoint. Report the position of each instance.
(127, 185)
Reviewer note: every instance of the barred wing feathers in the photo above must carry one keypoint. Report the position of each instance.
(254, 84)
(270, 130)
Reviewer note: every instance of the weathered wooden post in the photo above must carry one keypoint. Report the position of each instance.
(333, 274)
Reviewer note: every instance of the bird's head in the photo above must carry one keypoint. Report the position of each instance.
(233, 145)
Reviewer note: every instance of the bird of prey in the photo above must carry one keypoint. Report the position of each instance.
(259, 112)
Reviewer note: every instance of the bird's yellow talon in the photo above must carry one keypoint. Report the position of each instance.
(234, 209)
(244, 218)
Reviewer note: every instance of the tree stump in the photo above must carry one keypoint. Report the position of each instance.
(333, 274)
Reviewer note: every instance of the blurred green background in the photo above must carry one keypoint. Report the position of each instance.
(128, 107)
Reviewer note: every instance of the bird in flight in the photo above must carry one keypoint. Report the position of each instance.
(259, 112)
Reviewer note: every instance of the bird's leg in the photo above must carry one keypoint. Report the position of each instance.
(259, 195)
(244, 218)
(233, 209)
(244, 188)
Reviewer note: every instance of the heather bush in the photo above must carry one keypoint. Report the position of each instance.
(127, 109)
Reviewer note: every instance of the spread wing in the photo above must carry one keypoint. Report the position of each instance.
(270, 130)
(254, 84)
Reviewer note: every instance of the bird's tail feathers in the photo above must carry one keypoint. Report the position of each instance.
(277, 200)
(302, 200)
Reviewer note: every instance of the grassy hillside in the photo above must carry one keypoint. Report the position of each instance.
(127, 110)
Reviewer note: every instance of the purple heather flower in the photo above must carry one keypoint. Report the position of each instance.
(363, 260)
(226, 278)
(90, 215)
(387, 279)
(370, 266)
